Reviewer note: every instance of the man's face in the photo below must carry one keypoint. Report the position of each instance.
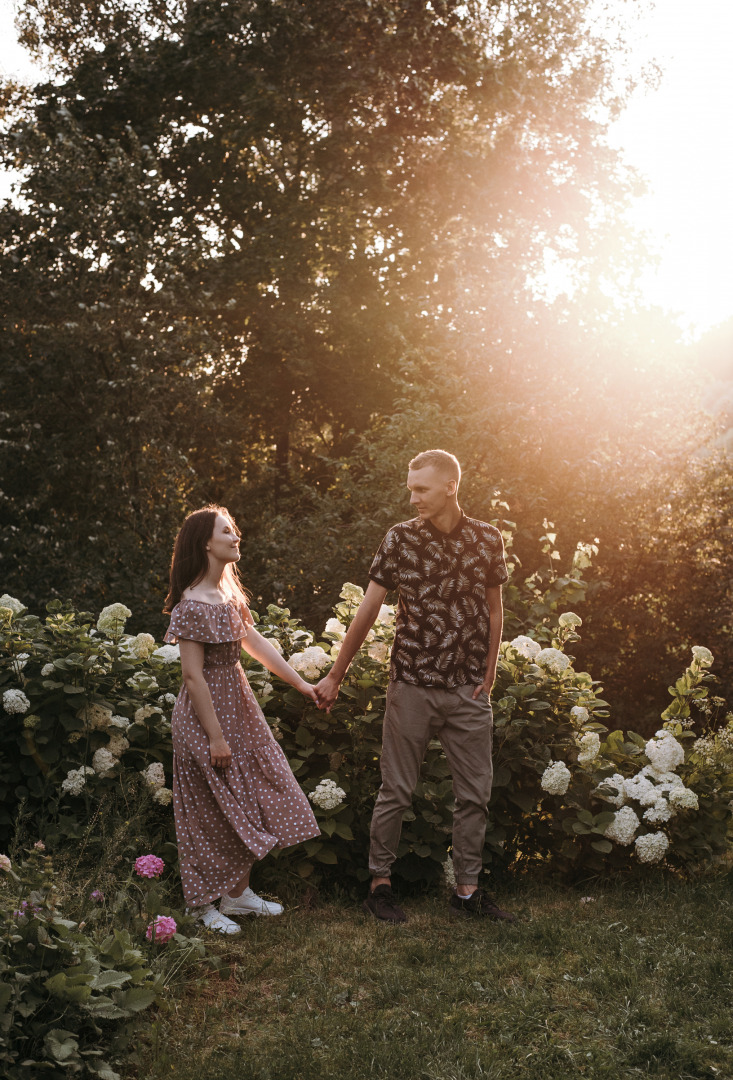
(431, 491)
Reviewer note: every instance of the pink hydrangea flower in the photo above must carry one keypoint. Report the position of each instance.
(97, 895)
(165, 927)
(39, 845)
(149, 866)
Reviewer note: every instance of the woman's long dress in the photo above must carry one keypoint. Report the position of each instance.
(226, 819)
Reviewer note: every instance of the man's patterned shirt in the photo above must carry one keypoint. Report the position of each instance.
(442, 627)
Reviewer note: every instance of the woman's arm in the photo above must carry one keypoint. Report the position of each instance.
(260, 649)
(192, 667)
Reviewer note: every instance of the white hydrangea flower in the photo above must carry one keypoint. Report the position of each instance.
(142, 714)
(335, 626)
(76, 779)
(142, 646)
(661, 811)
(20, 661)
(169, 654)
(47, 669)
(103, 762)
(660, 776)
(141, 681)
(703, 656)
(311, 662)
(327, 794)
(651, 847)
(556, 778)
(112, 619)
(589, 746)
(95, 717)
(664, 752)
(163, 795)
(8, 601)
(335, 649)
(612, 790)
(641, 788)
(120, 722)
(526, 646)
(386, 615)
(353, 594)
(623, 827)
(569, 618)
(5, 863)
(154, 774)
(117, 745)
(552, 660)
(31, 720)
(167, 699)
(579, 715)
(378, 650)
(267, 690)
(683, 798)
(15, 701)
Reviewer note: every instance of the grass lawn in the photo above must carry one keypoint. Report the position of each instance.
(635, 983)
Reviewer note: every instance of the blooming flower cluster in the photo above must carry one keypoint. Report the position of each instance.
(378, 650)
(141, 646)
(579, 715)
(335, 626)
(47, 669)
(352, 594)
(664, 752)
(556, 778)
(552, 660)
(623, 827)
(95, 717)
(525, 646)
(76, 779)
(154, 775)
(149, 866)
(11, 604)
(112, 619)
(15, 701)
(5, 863)
(142, 714)
(703, 656)
(168, 654)
(311, 662)
(119, 722)
(589, 746)
(103, 762)
(163, 926)
(651, 847)
(327, 794)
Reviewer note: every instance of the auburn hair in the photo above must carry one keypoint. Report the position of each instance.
(190, 559)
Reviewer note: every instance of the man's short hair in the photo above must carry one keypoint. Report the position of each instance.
(439, 459)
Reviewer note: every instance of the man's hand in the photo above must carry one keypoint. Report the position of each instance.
(486, 686)
(327, 691)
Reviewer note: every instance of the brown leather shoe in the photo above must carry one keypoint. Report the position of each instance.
(478, 906)
(382, 905)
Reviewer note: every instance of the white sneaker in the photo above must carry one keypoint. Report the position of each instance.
(214, 920)
(249, 903)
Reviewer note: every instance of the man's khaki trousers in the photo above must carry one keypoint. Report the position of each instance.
(414, 716)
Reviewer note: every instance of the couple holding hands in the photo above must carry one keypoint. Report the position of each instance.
(234, 795)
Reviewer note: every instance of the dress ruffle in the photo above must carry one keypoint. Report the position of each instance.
(194, 620)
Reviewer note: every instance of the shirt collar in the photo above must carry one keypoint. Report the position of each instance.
(437, 534)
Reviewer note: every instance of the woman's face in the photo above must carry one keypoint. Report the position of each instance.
(223, 546)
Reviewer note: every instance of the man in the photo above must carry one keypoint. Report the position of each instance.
(448, 570)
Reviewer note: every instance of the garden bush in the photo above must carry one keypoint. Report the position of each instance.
(86, 743)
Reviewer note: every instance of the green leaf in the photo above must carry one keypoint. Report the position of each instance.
(603, 846)
(61, 1045)
(137, 998)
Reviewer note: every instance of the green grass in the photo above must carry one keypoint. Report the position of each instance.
(635, 984)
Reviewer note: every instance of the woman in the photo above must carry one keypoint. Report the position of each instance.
(234, 795)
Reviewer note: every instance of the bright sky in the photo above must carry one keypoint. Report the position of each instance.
(679, 136)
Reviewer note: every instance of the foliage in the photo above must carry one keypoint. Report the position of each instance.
(67, 994)
(560, 784)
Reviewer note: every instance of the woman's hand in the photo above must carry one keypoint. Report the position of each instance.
(308, 691)
(221, 755)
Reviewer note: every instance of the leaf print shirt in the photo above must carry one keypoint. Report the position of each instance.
(442, 624)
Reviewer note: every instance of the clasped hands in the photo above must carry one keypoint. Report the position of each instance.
(326, 692)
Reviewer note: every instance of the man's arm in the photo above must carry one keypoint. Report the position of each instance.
(327, 689)
(496, 625)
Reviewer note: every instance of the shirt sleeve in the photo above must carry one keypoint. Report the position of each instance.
(497, 572)
(385, 565)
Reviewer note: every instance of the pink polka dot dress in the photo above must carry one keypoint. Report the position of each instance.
(226, 819)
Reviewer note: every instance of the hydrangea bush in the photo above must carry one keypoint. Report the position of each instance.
(87, 725)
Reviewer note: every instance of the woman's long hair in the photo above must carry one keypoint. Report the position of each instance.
(190, 559)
